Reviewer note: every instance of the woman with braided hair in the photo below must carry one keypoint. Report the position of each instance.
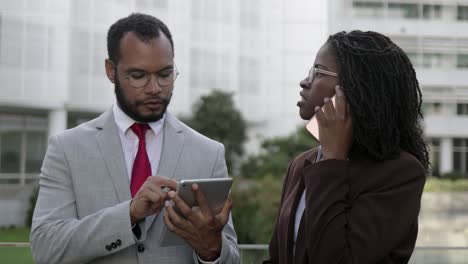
(356, 198)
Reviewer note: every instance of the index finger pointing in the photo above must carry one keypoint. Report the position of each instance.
(162, 182)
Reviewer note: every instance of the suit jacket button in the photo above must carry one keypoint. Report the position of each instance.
(118, 242)
(108, 247)
(141, 248)
(113, 245)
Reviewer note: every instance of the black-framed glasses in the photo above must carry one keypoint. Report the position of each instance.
(140, 78)
(314, 71)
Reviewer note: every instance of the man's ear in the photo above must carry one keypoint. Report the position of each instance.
(110, 70)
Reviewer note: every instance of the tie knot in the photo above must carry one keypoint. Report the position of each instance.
(140, 130)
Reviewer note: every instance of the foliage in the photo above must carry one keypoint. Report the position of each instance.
(32, 205)
(454, 175)
(216, 117)
(14, 234)
(446, 185)
(277, 153)
(255, 206)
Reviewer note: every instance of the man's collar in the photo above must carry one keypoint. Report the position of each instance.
(124, 122)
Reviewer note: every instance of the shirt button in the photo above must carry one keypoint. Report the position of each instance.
(108, 247)
(141, 248)
(113, 245)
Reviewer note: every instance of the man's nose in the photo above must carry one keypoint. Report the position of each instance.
(153, 84)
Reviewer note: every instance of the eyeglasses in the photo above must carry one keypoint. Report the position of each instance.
(138, 78)
(317, 71)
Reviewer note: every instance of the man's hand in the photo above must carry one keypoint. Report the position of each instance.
(150, 198)
(335, 126)
(202, 228)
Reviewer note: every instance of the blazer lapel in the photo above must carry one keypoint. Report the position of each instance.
(173, 142)
(111, 148)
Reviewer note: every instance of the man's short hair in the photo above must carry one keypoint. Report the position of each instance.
(144, 26)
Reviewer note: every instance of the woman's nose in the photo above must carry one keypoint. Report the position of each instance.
(305, 83)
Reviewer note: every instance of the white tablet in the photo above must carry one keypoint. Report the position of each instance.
(216, 191)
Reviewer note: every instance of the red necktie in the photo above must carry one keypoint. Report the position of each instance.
(141, 166)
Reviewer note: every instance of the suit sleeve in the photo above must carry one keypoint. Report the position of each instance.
(229, 249)
(341, 228)
(57, 235)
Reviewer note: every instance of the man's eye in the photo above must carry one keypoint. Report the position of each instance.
(318, 74)
(137, 75)
(165, 74)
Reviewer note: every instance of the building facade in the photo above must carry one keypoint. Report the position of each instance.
(434, 34)
(52, 56)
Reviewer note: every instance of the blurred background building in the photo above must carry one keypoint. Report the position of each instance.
(434, 34)
(52, 69)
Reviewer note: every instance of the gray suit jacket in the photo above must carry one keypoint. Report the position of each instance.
(84, 196)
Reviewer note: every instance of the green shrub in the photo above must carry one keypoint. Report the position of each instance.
(454, 175)
(255, 206)
(32, 205)
(434, 184)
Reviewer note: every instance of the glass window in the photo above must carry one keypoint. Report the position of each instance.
(23, 141)
(432, 11)
(161, 4)
(36, 44)
(415, 58)
(10, 151)
(432, 108)
(462, 109)
(434, 148)
(248, 75)
(80, 51)
(249, 17)
(432, 60)
(462, 61)
(12, 32)
(368, 9)
(462, 12)
(35, 151)
(460, 157)
(403, 10)
(99, 54)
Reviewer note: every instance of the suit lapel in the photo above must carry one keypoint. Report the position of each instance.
(111, 148)
(173, 141)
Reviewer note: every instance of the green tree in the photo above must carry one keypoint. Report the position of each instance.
(276, 154)
(256, 191)
(255, 206)
(216, 117)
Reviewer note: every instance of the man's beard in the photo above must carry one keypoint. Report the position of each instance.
(131, 108)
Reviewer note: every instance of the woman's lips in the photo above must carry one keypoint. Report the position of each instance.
(302, 101)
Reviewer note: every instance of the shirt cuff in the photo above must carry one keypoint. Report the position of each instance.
(207, 262)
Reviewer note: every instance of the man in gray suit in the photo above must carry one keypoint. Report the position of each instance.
(97, 201)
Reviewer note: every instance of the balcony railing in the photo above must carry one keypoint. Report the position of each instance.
(251, 254)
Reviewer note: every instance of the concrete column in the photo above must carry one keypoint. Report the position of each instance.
(446, 155)
(57, 121)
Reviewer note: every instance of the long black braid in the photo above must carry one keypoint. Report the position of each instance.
(380, 85)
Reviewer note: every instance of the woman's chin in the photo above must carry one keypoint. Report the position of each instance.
(305, 115)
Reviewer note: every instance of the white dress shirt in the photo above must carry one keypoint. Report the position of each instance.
(129, 140)
(154, 141)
